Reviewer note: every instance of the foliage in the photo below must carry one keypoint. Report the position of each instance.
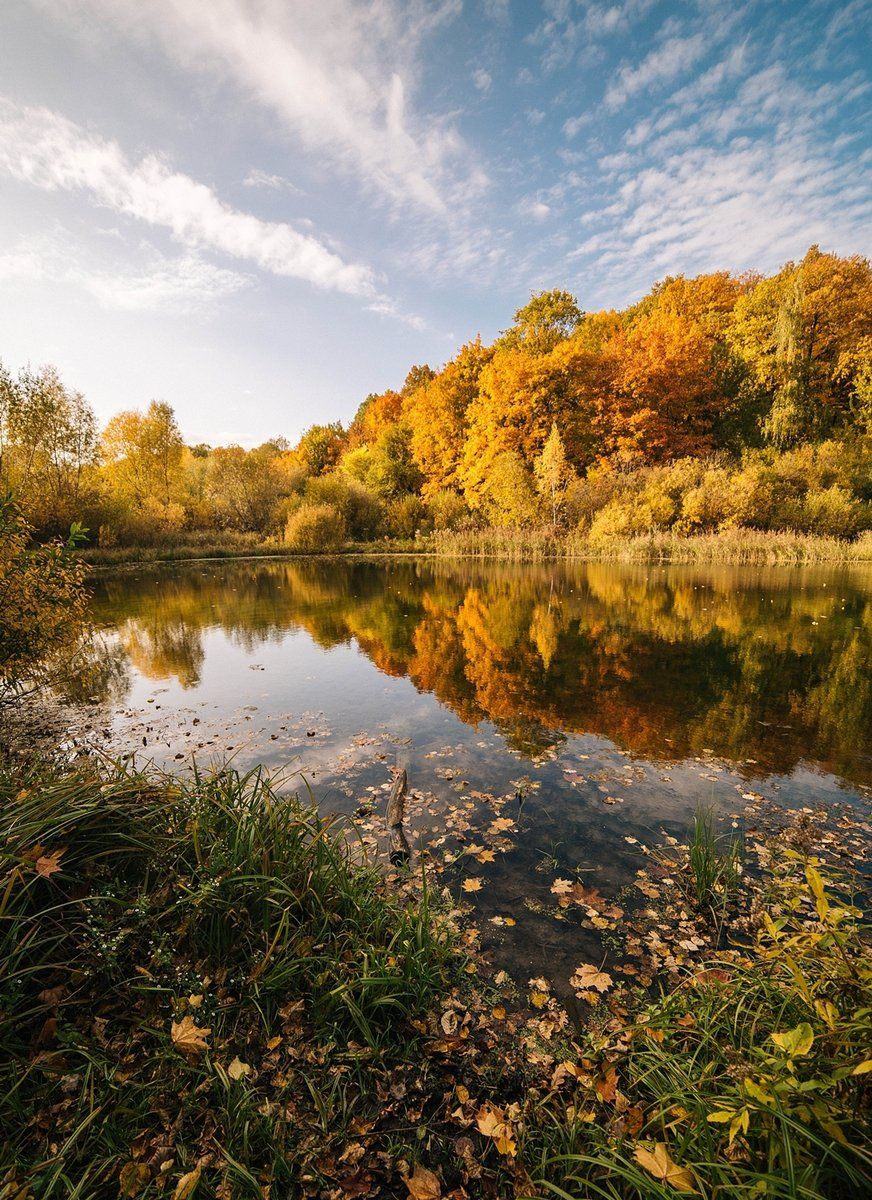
(755, 390)
(169, 946)
(751, 1079)
(42, 601)
(314, 528)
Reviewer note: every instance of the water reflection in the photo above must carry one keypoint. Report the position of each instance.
(766, 665)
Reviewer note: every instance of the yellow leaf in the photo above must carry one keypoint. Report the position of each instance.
(661, 1166)
(238, 1069)
(589, 976)
(132, 1178)
(795, 1042)
(538, 999)
(472, 885)
(721, 1117)
(423, 1184)
(187, 1185)
(189, 1038)
(863, 1068)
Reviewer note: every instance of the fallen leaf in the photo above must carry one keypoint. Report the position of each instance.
(132, 1178)
(423, 1184)
(189, 1038)
(472, 885)
(661, 1166)
(238, 1069)
(47, 864)
(187, 1185)
(589, 976)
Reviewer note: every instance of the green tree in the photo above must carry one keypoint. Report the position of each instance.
(546, 319)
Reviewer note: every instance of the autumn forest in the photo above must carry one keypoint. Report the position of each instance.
(713, 403)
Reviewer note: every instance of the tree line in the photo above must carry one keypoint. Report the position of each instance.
(714, 402)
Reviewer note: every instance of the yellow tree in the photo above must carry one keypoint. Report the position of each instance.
(520, 397)
(143, 454)
(553, 473)
(436, 412)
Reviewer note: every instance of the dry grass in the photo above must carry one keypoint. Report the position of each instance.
(745, 546)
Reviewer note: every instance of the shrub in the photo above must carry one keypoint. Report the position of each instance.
(834, 511)
(315, 527)
(360, 508)
(406, 516)
(448, 510)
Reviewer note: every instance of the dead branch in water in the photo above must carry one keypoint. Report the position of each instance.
(395, 816)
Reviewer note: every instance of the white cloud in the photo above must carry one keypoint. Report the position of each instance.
(535, 116)
(574, 124)
(339, 75)
(184, 285)
(530, 206)
(264, 179)
(47, 150)
(677, 54)
(482, 79)
(570, 27)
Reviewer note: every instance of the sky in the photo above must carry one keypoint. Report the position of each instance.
(261, 211)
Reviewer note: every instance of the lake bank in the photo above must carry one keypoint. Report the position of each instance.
(205, 987)
(518, 545)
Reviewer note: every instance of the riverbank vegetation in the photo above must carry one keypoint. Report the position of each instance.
(714, 405)
(206, 991)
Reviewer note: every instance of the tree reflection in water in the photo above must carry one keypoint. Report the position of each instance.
(749, 663)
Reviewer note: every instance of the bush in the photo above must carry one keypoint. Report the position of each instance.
(834, 511)
(315, 527)
(360, 508)
(406, 516)
(448, 510)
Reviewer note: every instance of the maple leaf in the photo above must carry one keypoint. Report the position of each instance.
(659, 1164)
(588, 976)
(560, 887)
(472, 885)
(47, 864)
(493, 1123)
(423, 1184)
(189, 1038)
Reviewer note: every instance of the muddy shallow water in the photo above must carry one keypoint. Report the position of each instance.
(553, 720)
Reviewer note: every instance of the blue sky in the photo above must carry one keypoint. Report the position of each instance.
(262, 210)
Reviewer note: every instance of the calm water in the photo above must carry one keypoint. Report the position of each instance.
(585, 705)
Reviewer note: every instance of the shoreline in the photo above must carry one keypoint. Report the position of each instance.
(735, 548)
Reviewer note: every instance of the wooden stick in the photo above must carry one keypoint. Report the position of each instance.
(396, 815)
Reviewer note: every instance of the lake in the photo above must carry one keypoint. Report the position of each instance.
(554, 720)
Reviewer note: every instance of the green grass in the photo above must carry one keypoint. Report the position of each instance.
(134, 907)
(742, 1112)
(220, 889)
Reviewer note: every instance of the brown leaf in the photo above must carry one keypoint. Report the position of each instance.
(423, 1184)
(607, 1085)
(589, 976)
(47, 864)
(659, 1164)
(189, 1038)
